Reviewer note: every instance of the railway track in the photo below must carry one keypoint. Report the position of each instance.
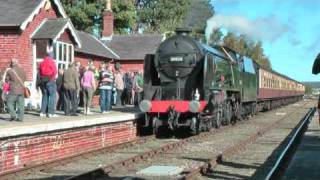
(240, 146)
(142, 156)
(144, 148)
(109, 163)
(175, 152)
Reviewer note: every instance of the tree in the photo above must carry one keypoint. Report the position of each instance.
(86, 14)
(125, 16)
(230, 40)
(161, 15)
(82, 13)
(241, 45)
(200, 11)
(246, 47)
(259, 57)
(215, 37)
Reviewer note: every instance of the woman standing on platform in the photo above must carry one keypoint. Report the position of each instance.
(119, 84)
(88, 87)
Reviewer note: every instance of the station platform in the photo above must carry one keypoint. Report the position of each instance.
(39, 140)
(305, 163)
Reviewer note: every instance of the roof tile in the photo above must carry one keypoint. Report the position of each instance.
(93, 46)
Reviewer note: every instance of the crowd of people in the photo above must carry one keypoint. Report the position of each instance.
(66, 89)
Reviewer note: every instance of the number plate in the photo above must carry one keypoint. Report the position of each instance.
(176, 59)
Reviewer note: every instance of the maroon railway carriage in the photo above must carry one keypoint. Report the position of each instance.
(275, 89)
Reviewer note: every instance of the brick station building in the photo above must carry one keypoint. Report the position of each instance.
(29, 27)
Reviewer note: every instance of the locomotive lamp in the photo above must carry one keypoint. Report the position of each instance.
(145, 105)
(194, 106)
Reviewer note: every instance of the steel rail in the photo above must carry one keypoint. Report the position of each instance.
(142, 156)
(109, 168)
(229, 151)
(169, 147)
(145, 155)
(298, 133)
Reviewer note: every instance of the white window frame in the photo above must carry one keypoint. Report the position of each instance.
(65, 47)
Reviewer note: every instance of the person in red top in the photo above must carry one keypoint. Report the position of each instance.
(48, 74)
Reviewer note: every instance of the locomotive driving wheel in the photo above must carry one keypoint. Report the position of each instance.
(208, 125)
(217, 120)
(156, 126)
(195, 126)
(254, 109)
(227, 114)
(237, 112)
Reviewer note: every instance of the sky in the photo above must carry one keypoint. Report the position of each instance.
(288, 29)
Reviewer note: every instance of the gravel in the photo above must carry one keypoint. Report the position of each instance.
(258, 158)
(195, 154)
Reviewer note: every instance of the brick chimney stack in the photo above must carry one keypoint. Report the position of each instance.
(108, 19)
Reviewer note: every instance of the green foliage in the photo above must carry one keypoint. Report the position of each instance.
(161, 15)
(248, 48)
(215, 37)
(230, 40)
(200, 11)
(130, 16)
(125, 16)
(82, 13)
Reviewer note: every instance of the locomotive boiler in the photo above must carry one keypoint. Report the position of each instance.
(196, 87)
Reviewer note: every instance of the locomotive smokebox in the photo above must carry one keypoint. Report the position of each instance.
(183, 31)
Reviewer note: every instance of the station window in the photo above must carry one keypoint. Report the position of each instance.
(63, 54)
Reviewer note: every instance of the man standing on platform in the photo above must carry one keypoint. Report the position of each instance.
(138, 88)
(16, 78)
(48, 86)
(60, 89)
(71, 86)
(105, 88)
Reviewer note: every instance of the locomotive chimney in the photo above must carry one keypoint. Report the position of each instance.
(182, 31)
(108, 19)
